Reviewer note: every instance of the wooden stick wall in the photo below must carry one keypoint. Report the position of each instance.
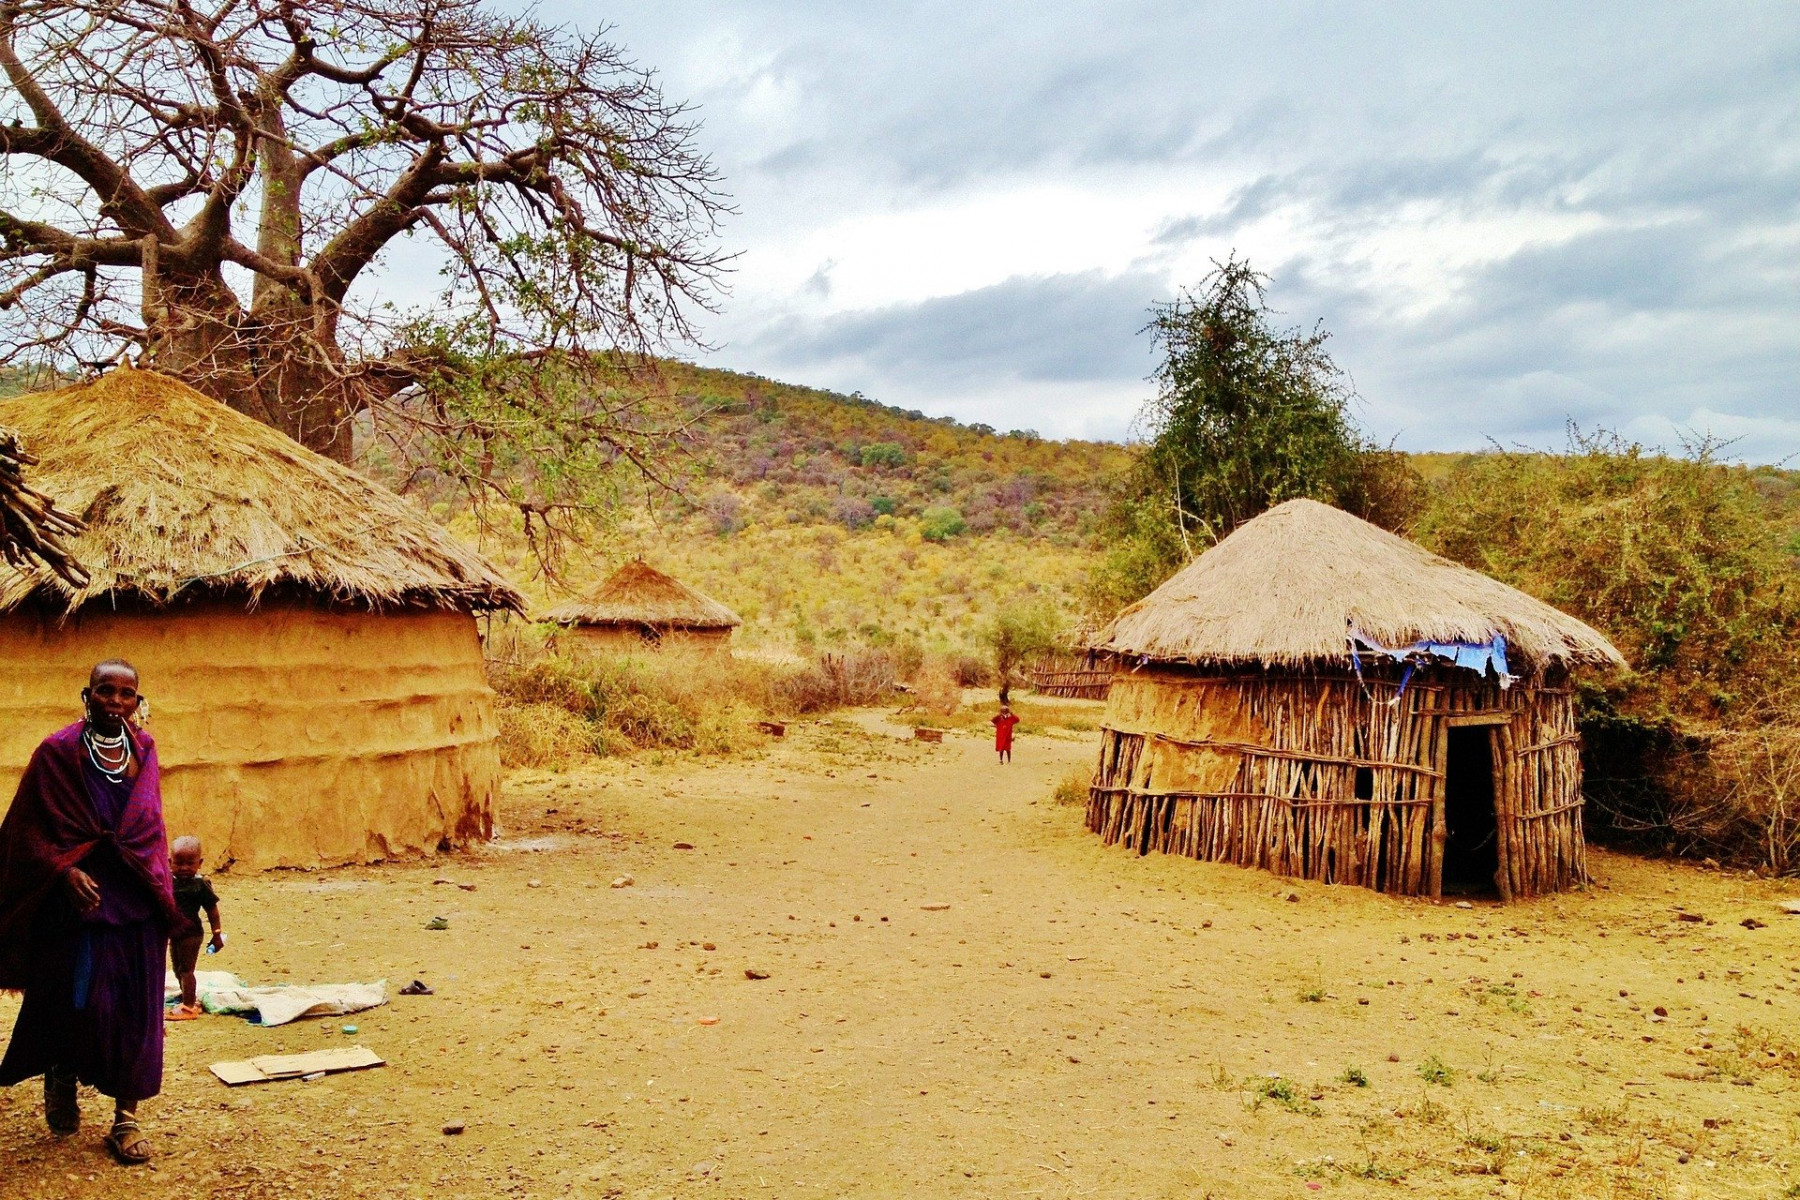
(1346, 782)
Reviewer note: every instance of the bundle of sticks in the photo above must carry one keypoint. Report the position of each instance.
(31, 525)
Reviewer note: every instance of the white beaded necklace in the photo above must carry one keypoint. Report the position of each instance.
(111, 756)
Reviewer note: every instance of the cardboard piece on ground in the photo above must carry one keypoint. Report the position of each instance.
(270, 1067)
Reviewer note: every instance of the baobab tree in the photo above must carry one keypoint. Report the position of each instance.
(211, 184)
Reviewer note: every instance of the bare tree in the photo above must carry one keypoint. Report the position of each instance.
(206, 182)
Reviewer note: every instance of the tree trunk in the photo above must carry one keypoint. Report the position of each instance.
(265, 364)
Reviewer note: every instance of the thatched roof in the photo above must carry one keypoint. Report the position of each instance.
(638, 594)
(1285, 588)
(183, 496)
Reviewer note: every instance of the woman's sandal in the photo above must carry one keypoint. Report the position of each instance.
(183, 1012)
(128, 1143)
(62, 1105)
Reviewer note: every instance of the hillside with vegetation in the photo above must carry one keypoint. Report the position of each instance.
(830, 521)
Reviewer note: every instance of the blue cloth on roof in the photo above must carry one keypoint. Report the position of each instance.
(1480, 657)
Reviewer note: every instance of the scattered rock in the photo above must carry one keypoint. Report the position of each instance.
(1464, 904)
(623, 881)
(438, 923)
(684, 845)
(1696, 918)
(1660, 1011)
(1293, 897)
(708, 946)
(704, 1168)
(706, 1020)
(649, 945)
(467, 887)
(535, 883)
(934, 907)
(1752, 923)
(453, 1128)
(753, 973)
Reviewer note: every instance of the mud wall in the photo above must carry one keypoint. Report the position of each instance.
(291, 736)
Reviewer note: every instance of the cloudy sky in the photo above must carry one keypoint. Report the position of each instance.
(1508, 216)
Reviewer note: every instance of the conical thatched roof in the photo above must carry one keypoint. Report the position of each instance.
(639, 594)
(183, 496)
(1285, 588)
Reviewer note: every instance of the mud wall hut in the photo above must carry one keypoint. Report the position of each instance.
(639, 607)
(306, 640)
(1320, 698)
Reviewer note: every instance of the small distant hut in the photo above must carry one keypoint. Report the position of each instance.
(306, 639)
(639, 606)
(1320, 698)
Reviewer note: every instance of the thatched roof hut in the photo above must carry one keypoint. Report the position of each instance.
(1317, 696)
(306, 638)
(639, 605)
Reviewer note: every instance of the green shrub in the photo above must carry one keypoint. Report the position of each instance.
(940, 523)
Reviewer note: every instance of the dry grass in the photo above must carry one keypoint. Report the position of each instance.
(1035, 716)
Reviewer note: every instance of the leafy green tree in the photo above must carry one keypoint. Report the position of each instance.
(1246, 415)
(1020, 632)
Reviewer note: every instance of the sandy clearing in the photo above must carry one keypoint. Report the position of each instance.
(1078, 1021)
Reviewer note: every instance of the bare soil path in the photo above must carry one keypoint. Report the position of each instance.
(966, 995)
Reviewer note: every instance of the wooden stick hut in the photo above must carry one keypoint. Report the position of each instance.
(306, 639)
(1323, 699)
(639, 606)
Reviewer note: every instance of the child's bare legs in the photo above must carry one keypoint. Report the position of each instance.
(184, 953)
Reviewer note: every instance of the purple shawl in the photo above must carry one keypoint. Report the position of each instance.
(53, 824)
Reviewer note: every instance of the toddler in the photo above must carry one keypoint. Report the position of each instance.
(193, 892)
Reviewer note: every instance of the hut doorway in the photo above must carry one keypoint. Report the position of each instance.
(1471, 829)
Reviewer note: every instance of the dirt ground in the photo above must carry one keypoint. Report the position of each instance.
(1076, 1022)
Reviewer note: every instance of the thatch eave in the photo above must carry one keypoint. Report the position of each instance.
(1284, 591)
(638, 596)
(181, 494)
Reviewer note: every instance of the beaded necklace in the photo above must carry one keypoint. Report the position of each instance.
(111, 756)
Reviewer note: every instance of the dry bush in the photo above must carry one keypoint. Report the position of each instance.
(838, 681)
(1073, 788)
(668, 699)
(973, 671)
(543, 735)
(935, 688)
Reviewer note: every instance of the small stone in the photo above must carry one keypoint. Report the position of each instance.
(438, 923)
(1293, 897)
(1682, 1158)
(1696, 918)
(753, 973)
(934, 907)
(684, 845)
(1752, 923)
(467, 887)
(1464, 904)
(1043, 974)
(535, 883)
(703, 1168)
(1393, 1058)
(623, 881)
(708, 946)
(1660, 1011)
(453, 1128)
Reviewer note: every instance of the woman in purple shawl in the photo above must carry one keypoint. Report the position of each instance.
(85, 911)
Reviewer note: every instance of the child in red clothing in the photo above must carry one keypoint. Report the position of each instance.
(1004, 721)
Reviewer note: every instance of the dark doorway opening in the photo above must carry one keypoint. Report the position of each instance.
(1471, 844)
